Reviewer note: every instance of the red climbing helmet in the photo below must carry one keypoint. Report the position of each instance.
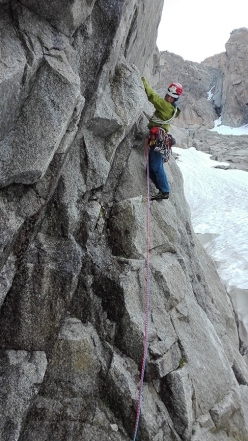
(175, 90)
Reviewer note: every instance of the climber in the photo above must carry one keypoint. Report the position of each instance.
(159, 123)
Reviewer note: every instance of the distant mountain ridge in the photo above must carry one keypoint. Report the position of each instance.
(216, 87)
(224, 75)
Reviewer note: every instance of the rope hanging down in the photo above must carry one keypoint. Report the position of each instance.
(147, 295)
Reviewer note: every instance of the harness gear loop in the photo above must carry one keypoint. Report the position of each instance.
(161, 142)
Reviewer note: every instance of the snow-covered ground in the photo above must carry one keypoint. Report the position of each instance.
(226, 130)
(218, 200)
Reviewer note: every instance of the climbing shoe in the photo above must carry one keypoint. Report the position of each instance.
(160, 196)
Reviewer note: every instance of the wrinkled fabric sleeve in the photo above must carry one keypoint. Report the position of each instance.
(159, 103)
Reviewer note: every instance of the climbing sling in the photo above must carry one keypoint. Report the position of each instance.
(158, 138)
(156, 120)
(161, 142)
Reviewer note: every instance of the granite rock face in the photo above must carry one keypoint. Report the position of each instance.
(216, 87)
(232, 64)
(73, 243)
(197, 80)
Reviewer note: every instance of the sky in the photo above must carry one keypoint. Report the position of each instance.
(197, 29)
(218, 200)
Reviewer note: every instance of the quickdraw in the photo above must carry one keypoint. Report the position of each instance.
(161, 142)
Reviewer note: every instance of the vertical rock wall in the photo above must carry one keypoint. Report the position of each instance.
(72, 238)
(216, 87)
(232, 66)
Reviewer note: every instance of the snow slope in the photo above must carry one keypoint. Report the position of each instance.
(218, 200)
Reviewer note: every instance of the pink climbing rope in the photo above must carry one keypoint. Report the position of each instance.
(147, 295)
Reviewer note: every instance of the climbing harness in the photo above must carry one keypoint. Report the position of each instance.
(147, 295)
(161, 142)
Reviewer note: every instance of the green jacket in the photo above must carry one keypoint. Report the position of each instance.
(164, 110)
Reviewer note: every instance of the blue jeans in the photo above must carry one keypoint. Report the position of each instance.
(156, 171)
